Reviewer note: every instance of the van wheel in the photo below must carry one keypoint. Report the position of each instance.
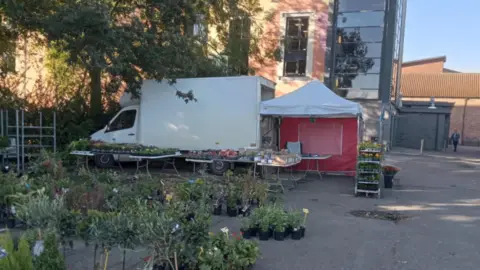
(219, 167)
(104, 161)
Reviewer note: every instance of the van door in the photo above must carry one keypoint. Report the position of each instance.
(123, 128)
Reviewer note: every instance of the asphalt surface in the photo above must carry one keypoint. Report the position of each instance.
(440, 194)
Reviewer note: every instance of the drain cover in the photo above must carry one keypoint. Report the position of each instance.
(382, 215)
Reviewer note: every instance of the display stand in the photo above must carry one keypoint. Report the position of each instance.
(316, 160)
(278, 180)
(369, 176)
(203, 163)
(82, 158)
(147, 160)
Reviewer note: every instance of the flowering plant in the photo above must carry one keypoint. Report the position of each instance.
(305, 214)
(390, 170)
(226, 251)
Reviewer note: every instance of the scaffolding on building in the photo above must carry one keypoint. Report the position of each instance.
(28, 134)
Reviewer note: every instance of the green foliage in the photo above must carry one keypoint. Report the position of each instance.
(19, 259)
(11, 261)
(24, 254)
(37, 210)
(294, 219)
(10, 185)
(50, 258)
(228, 252)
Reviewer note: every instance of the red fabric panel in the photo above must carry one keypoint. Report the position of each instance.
(346, 162)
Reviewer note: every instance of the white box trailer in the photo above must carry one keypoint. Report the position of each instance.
(225, 115)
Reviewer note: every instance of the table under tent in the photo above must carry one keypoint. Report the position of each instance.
(322, 125)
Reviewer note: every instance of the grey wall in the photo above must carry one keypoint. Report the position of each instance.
(411, 128)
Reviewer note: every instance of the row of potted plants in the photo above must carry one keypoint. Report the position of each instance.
(240, 194)
(370, 147)
(369, 157)
(369, 167)
(272, 221)
(108, 209)
(119, 148)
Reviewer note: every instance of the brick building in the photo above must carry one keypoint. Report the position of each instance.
(348, 44)
(426, 78)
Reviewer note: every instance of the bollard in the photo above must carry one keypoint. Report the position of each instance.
(421, 146)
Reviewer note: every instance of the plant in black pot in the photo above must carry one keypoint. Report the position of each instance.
(253, 222)
(232, 209)
(264, 227)
(389, 173)
(295, 224)
(279, 223)
(217, 196)
(305, 214)
(245, 227)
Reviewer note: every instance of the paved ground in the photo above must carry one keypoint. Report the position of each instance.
(440, 192)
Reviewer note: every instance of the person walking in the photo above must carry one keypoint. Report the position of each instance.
(455, 138)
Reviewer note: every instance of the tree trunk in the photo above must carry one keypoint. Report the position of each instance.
(96, 95)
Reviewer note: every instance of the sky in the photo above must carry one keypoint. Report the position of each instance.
(444, 27)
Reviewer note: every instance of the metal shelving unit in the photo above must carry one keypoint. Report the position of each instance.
(369, 176)
(28, 132)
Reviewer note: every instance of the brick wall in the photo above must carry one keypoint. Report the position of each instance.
(463, 118)
(274, 24)
(430, 67)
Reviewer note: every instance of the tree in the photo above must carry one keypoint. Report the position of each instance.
(8, 37)
(238, 28)
(129, 41)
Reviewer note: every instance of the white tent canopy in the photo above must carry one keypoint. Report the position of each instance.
(312, 99)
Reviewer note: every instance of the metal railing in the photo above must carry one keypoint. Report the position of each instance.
(28, 133)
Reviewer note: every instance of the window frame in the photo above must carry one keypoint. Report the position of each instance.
(341, 8)
(380, 23)
(284, 16)
(301, 51)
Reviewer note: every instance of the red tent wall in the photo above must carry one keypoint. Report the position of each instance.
(344, 162)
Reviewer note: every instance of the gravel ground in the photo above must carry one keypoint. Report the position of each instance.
(439, 194)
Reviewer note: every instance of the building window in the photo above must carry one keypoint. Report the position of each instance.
(296, 42)
(360, 5)
(239, 44)
(199, 28)
(365, 34)
(358, 81)
(361, 19)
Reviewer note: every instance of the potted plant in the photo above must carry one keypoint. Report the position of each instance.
(389, 173)
(295, 224)
(253, 230)
(279, 225)
(245, 227)
(305, 214)
(232, 209)
(245, 253)
(264, 227)
(232, 201)
(218, 197)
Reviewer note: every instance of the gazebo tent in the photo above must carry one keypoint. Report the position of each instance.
(325, 124)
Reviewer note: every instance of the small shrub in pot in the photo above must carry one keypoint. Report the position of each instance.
(295, 224)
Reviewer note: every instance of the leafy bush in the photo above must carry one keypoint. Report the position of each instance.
(50, 258)
(20, 259)
(24, 254)
(228, 252)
